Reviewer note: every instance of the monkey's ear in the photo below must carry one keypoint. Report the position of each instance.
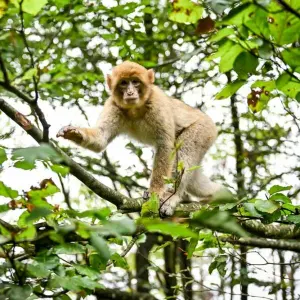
(151, 75)
(108, 80)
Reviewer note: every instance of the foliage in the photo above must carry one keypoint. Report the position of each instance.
(57, 53)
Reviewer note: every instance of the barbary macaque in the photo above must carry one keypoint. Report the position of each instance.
(141, 110)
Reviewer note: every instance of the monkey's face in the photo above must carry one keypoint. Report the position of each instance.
(130, 91)
(130, 85)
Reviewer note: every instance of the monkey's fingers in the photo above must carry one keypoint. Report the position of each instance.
(70, 133)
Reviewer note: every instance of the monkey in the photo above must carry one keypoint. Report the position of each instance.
(140, 109)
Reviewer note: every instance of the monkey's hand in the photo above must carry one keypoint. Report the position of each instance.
(71, 133)
(168, 204)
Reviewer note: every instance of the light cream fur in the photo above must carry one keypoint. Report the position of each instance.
(157, 120)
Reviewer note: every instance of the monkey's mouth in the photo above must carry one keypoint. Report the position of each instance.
(131, 99)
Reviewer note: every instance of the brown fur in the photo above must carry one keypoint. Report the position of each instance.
(157, 120)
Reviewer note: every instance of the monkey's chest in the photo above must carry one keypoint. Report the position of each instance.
(141, 131)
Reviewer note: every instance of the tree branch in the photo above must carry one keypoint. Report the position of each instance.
(4, 71)
(289, 8)
(275, 231)
(289, 245)
(34, 105)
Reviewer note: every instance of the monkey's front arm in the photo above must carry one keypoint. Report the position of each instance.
(98, 137)
(162, 168)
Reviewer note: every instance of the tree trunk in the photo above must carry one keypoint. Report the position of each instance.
(142, 263)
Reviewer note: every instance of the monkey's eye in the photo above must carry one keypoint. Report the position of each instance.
(135, 82)
(123, 83)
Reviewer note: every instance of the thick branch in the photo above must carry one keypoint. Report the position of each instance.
(21, 120)
(33, 104)
(290, 245)
(275, 231)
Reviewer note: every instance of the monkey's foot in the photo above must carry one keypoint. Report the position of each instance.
(167, 207)
(70, 133)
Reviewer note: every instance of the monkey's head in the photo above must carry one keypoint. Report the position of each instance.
(130, 84)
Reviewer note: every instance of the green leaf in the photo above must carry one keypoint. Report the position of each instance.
(257, 22)
(61, 3)
(278, 188)
(192, 246)
(222, 33)
(245, 63)
(22, 221)
(5, 232)
(4, 208)
(117, 227)
(3, 7)
(266, 206)
(288, 85)
(150, 209)
(294, 219)
(26, 234)
(70, 248)
(260, 94)
(50, 262)
(219, 263)
(193, 168)
(62, 170)
(291, 56)
(56, 237)
(101, 246)
(87, 271)
(279, 197)
(100, 214)
(18, 292)
(228, 59)
(21, 164)
(250, 207)
(49, 190)
(230, 89)
(270, 218)
(208, 240)
(87, 283)
(31, 154)
(97, 262)
(266, 50)
(217, 220)
(30, 73)
(284, 26)
(33, 7)
(38, 213)
(119, 261)
(240, 14)
(3, 156)
(38, 270)
(222, 50)
(75, 283)
(7, 192)
(173, 229)
(185, 11)
(288, 208)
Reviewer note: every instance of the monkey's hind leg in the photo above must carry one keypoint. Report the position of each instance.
(196, 140)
